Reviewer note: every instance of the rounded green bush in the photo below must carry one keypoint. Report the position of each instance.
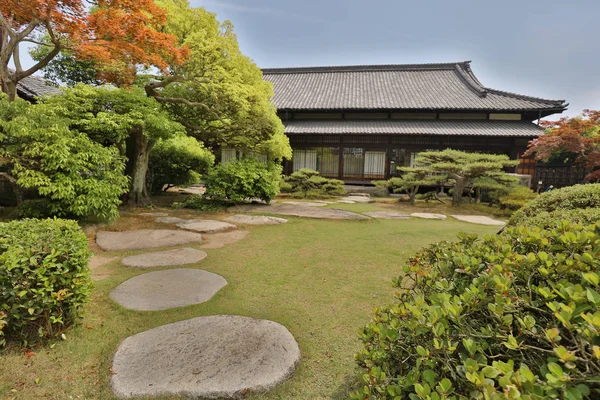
(568, 198)
(44, 277)
(308, 183)
(509, 316)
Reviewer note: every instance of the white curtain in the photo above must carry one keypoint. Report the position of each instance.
(228, 155)
(374, 163)
(304, 159)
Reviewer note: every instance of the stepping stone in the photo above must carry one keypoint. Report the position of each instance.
(218, 240)
(387, 215)
(206, 226)
(358, 199)
(162, 290)
(255, 219)
(428, 216)
(219, 356)
(347, 202)
(171, 220)
(144, 239)
(306, 203)
(151, 214)
(479, 219)
(165, 258)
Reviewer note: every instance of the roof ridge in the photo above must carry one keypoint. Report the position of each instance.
(365, 68)
(525, 97)
(472, 84)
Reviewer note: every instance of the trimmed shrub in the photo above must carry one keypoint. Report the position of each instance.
(243, 179)
(567, 198)
(179, 161)
(44, 277)
(199, 203)
(516, 197)
(307, 183)
(515, 315)
(554, 219)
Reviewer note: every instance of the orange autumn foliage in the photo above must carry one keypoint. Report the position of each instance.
(579, 136)
(118, 35)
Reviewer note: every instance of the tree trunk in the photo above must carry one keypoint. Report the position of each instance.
(138, 152)
(459, 188)
(477, 195)
(10, 88)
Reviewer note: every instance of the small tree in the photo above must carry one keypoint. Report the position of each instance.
(462, 167)
(412, 180)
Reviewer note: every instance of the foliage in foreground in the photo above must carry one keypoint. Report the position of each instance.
(558, 204)
(307, 183)
(178, 161)
(44, 277)
(243, 179)
(40, 151)
(508, 316)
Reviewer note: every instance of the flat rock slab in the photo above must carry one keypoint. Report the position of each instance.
(255, 220)
(220, 356)
(479, 219)
(153, 214)
(358, 199)
(387, 215)
(218, 240)
(162, 290)
(428, 216)
(171, 220)
(165, 258)
(306, 212)
(306, 203)
(206, 226)
(144, 239)
(347, 202)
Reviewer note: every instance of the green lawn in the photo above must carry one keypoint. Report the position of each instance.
(319, 278)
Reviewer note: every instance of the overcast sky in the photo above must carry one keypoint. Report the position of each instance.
(544, 48)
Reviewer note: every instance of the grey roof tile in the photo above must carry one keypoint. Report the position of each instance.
(451, 86)
(414, 127)
(35, 86)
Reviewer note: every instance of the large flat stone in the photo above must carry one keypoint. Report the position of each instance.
(153, 214)
(206, 226)
(306, 203)
(144, 239)
(479, 219)
(165, 258)
(387, 215)
(358, 199)
(428, 216)
(172, 288)
(170, 220)
(220, 356)
(255, 219)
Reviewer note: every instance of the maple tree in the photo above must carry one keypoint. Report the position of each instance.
(119, 36)
(571, 140)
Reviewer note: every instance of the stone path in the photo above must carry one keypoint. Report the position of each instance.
(387, 215)
(255, 219)
(428, 216)
(144, 239)
(479, 219)
(218, 240)
(165, 258)
(206, 226)
(172, 288)
(357, 199)
(221, 356)
(302, 211)
(170, 220)
(306, 203)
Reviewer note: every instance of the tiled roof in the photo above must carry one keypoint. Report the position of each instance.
(451, 86)
(414, 127)
(35, 86)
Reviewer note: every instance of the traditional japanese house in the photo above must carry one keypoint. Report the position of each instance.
(359, 123)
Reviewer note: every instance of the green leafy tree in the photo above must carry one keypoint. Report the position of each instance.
(39, 150)
(413, 179)
(178, 161)
(462, 168)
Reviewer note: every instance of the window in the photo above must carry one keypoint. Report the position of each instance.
(228, 155)
(374, 165)
(304, 159)
(354, 162)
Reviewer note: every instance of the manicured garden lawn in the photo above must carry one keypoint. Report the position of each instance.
(319, 278)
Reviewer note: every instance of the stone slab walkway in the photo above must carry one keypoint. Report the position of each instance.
(255, 219)
(165, 258)
(479, 219)
(144, 239)
(206, 226)
(356, 199)
(221, 356)
(162, 290)
(303, 211)
(387, 215)
(429, 216)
